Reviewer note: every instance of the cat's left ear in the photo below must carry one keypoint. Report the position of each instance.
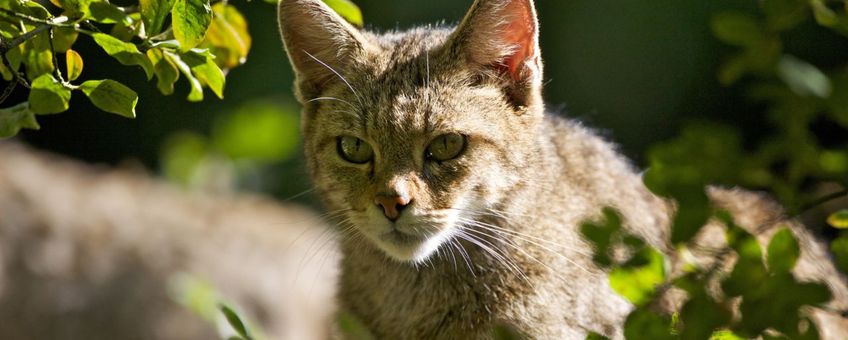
(501, 37)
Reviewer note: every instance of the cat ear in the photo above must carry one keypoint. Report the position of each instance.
(503, 36)
(319, 43)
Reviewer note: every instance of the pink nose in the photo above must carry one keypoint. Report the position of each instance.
(392, 205)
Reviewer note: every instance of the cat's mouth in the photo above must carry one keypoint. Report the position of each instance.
(402, 238)
(407, 246)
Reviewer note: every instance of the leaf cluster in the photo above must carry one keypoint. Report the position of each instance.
(166, 39)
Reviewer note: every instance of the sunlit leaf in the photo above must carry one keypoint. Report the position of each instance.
(14, 57)
(15, 118)
(165, 70)
(48, 95)
(347, 9)
(203, 67)
(227, 36)
(637, 284)
(153, 13)
(73, 63)
(37, 57)
(196, 90)
(803, 78)
(106, 13)
(64, 38)
(76, 8)
(783, 251)
(126, 53)
(111, 96)
(189, 20)
(839, 219)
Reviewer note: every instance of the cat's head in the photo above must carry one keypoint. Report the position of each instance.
(410, 136)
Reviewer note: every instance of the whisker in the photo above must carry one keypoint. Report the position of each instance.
(337, 74)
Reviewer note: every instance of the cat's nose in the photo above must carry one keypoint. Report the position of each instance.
(392, 205)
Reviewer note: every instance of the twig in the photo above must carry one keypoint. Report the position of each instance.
(8, 90)
(55, 60)
(6, 46)
(824, 199)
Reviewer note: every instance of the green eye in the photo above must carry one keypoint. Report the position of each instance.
(355, 150)
(446, 147)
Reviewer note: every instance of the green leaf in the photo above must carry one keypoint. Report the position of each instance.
(14, 57)
(235, 321)
(839, 247)
(15, 118)
(203, 67)
(111, 96)
(701, 316)
(347, 10)
(196, 90)
(48, 95)
(600, 235)
(190, 19)
(736, 28)
(165, 70)
(37, 56)
(352, 327)
(153, 14)
(803, 78)
(595, 336)
(839, 219)
(75, 8)
(106, 13)
(227, 37)
(73, 63)
(126, 53)
(785, 14)
(64, 38)
(783, 251)
(182, 155)
(642, 323)
(258, 131)
(637, 284)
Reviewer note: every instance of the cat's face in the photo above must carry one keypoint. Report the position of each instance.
(411, 136)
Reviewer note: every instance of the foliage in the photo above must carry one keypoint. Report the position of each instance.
(201, 41)
(801, 171)
(201, 298)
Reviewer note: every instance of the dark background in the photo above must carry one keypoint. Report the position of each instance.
(636, 70)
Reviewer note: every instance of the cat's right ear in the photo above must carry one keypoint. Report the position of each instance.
(319, 44)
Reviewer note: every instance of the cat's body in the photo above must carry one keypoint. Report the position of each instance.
(460, 198)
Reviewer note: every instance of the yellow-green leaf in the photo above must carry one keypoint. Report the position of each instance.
(126, 53)
(153, 14)
(347, 9)
(111, 96)
(196, 92)
(73, 61)
(37, 57)
(190, 19)
(839, 219)
(15, 118)
(106, 13)
(203, 67)
(64, 38)
(227, 37)
(165, 70)
(637, 284)
(48, 95)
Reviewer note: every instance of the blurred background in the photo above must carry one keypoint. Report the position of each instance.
(638, 71)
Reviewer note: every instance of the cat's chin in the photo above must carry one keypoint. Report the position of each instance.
(405, 247)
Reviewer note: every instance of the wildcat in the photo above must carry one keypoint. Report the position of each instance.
(458, 194)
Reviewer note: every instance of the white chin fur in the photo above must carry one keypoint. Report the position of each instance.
(418, 252)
